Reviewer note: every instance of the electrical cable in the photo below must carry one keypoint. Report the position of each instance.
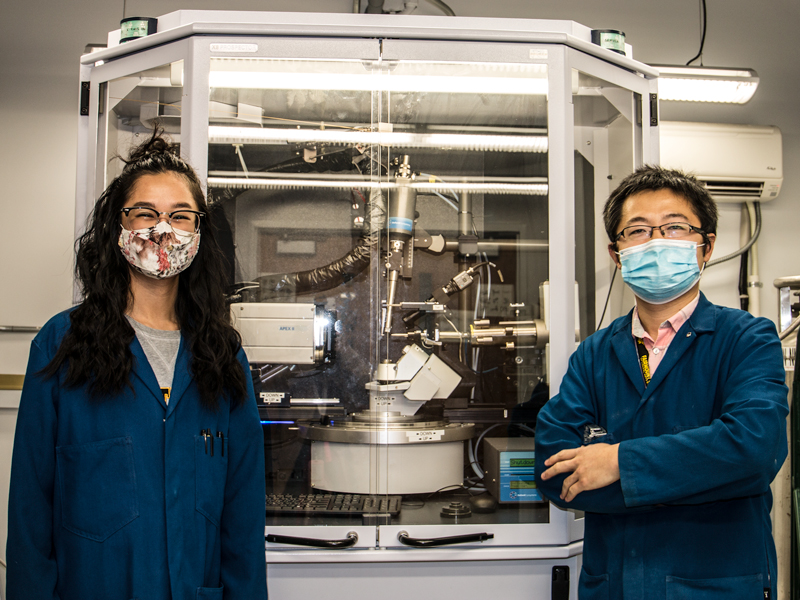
(446, 199)
(455, 207)
(472, 462)
(443, 7)
(336, 160)
(702, 37)
(460, 338)
(744, 298)
(486, 371)
(476, 353)
(488, 286)
(477, 296)
(473, 453)
(436, 177)
(608, 296)
(526, 428)
(488, 272)
(753, 281)
(748, 245)
(475, 486)
(790, 329)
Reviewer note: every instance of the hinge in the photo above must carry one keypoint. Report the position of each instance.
(653, 110)
(84, 99)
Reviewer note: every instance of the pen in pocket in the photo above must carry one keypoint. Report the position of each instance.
(208, 441)
(207, 437)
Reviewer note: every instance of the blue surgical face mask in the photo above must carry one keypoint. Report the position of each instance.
(659, 271)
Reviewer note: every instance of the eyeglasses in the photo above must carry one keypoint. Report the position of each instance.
(140, 217)
(642, 233)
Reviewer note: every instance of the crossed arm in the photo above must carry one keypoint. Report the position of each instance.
(735, 454)
(590, 467)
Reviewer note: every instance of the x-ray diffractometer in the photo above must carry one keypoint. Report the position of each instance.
(408, 206)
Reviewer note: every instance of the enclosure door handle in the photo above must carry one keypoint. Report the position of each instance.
(350, 540)
(442, 541)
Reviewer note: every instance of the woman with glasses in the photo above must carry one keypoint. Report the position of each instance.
(138, 466)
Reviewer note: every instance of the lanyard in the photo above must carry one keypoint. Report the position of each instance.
(644, 360)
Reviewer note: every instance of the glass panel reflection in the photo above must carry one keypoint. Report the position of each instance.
(388, 227)
(132, 106)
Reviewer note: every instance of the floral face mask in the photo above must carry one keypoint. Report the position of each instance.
(159, 252)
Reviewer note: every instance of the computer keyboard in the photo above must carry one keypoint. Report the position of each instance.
(331, 504)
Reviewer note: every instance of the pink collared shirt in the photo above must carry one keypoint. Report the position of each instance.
(666, 332)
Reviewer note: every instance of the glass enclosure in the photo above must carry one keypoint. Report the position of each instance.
(408, 213)
(413, 246)
(138, 102)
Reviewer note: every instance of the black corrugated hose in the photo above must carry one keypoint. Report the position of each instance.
(287, 285)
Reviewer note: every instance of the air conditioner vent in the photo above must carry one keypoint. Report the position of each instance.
(746, 190)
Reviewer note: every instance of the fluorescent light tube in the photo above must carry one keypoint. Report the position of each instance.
(410, 76)
(509, 143)
(706, 84)
(488, 187)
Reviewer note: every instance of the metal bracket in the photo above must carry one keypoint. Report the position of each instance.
(653, 110)
(85, 87)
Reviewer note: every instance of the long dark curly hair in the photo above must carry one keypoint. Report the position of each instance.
(96, 349)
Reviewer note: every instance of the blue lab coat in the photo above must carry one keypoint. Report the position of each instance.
(121, 499)
(698, 448)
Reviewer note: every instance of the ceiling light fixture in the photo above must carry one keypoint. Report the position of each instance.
(706, 84)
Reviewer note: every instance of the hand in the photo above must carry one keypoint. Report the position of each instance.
(592, 467)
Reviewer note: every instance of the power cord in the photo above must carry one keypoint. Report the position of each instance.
(608, 296)
(702, 37)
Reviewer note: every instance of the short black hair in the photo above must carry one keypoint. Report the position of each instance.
(650, 178)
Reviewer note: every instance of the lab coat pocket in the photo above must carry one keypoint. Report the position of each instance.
(593, 587)
(205, 593)
(97, 483)
(211, 468)
(746, 587)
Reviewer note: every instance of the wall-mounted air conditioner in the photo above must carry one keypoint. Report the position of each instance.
(737, 163)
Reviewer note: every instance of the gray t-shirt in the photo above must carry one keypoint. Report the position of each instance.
(161, 349)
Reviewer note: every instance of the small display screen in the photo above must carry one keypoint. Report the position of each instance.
(522, 485)
(522, 462)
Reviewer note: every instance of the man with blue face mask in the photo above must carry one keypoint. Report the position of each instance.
(670, 424)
